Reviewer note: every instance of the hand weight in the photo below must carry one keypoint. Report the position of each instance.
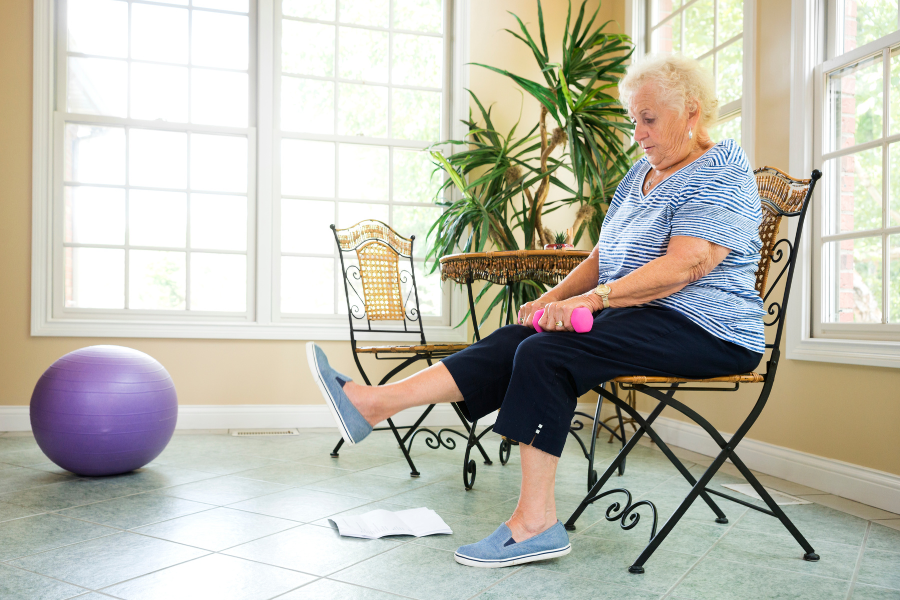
(582, 320)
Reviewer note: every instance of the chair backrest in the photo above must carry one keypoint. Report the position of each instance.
(378, 277)
(781, 196)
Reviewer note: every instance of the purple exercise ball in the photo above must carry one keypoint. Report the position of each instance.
(104, 410)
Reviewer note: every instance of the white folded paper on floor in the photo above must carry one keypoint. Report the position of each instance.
(379, 523)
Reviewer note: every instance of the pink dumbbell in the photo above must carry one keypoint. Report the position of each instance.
(582, 320)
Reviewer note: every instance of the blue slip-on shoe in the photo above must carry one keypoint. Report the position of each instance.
(351, 424)
(500, 550)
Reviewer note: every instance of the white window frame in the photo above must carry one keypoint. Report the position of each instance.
(637, 25)
(808, 44)
(261, 322)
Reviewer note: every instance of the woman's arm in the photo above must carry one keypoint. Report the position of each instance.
(687, 259)
(581, 279)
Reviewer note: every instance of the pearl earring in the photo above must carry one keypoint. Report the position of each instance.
(690, 134)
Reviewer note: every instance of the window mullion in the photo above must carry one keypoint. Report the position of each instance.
(261, 287)
(885, 186)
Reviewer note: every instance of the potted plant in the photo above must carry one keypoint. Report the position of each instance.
(503, 181)
(562, 241)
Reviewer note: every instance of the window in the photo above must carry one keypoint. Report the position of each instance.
(712, 31)
(856, 266)
(361, 90)
(197, 151)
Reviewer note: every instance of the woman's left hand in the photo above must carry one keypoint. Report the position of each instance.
(561, 312)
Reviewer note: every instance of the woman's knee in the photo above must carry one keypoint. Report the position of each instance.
(508, 337)
(540, 351)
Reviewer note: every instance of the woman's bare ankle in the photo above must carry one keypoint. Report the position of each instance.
(523, 529)
(359, 397)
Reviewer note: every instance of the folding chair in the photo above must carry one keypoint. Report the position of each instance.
(782, 196)
(376, 279)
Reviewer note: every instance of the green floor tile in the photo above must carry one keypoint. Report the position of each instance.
(300, 504)
(16, 584)
(216, 529)
(603, 559)
(214, 576)
(99, 563)
(870, 592)
(311, 549)
(44, 532)
(326, 589)
(366, 486)
(536, 584)
(750, 547)
(451, 496)
(883, 538)
(9, 512)
(688, 537)
(21, 478)
(721, 580)
(421, 573)
(880, 568)
(136, 511)
(293, 473)
(223, 490)
(814, 521)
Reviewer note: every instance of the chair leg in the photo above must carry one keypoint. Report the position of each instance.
(720, 516)
(592, 473)
(632, 442)
(334, 453)
(415, 426)
(621, 436)
(655, 541)
(809, 552)
(413, 472)
(473, 439)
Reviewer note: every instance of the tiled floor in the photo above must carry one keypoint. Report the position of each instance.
(229, 518)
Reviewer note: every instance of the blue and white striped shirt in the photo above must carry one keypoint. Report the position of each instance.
(714, 198)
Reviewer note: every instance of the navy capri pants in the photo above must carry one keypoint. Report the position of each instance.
(536, 378)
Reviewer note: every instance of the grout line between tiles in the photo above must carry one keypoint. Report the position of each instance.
(208, 553)
(672, 589)
(86, 590)
(859, 558)
(478, 593)
(317, 578)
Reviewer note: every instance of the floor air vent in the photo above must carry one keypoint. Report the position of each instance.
(262, 432)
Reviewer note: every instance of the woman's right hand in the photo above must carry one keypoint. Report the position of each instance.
(527, 310)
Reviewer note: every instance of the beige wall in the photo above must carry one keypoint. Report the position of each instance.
(841, 412)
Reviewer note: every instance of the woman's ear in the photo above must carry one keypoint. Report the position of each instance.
(694, 110)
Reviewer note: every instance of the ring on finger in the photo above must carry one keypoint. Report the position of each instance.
(559, 323)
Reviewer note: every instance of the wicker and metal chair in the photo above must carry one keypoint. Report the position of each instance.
(374, 282)
(782, 196)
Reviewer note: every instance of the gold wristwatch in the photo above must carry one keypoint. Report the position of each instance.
(603, 290)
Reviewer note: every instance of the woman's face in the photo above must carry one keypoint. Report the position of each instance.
(660, 130)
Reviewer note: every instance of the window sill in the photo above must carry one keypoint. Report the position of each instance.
(332, 330)
(871, 353)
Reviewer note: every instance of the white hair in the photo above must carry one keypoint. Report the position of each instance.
(681, 81)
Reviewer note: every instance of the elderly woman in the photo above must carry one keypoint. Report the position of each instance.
(670, 285)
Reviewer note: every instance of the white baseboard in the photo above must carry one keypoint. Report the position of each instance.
(255, 416)
(869, 486)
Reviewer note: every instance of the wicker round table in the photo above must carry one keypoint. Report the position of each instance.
(508, 267)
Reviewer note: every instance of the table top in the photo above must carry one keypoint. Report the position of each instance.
(510, 266)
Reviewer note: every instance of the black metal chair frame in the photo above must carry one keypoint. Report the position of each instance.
(413, 326)
(626, 512)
